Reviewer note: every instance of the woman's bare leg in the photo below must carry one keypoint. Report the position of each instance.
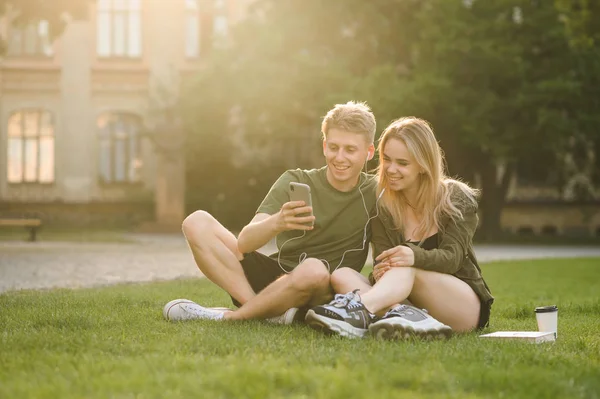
(446, 298)
(344, 280)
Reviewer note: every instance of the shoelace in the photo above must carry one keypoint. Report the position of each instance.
(342, 300)
(401, 311)
(397, 311)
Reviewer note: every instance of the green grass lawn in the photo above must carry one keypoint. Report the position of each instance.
(113, 342)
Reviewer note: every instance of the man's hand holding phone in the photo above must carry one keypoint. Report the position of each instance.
(295, 215)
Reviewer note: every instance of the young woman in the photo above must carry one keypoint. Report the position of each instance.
(422, 244)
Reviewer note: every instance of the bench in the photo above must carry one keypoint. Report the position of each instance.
(31, 224)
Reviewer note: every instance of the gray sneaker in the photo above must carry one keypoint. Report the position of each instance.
(406, 321)
(345, 316)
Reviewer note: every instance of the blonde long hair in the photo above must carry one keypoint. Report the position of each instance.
(435, 197)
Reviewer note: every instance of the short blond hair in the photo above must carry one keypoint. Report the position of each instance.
(355, 117)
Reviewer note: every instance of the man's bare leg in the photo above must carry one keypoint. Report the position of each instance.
(307, 284)
(216, 254)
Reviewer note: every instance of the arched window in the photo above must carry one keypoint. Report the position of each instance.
(119, 28)
(120, 155)
(192, 29)
(30, 147)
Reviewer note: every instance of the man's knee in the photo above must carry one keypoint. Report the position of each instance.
(196, 223)
(341, 276)
(311, 275)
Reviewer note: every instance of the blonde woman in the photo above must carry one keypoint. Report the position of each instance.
(422, 244)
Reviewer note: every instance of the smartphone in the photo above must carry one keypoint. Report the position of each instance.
(301, 192)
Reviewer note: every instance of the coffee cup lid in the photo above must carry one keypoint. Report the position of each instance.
(546, 309)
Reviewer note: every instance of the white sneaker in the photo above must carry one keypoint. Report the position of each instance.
(184, 309)
(286, 318)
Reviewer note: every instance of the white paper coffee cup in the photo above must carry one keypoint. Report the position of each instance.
(547, 318)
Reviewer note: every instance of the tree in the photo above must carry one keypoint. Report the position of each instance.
(582, 23)
(56, 12)
(496, 79)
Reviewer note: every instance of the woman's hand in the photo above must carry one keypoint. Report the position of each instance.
(400, 256)
(379, 270)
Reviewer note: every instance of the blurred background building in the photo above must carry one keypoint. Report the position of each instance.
(87, 128)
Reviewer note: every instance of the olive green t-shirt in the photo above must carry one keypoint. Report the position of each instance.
(340, 219)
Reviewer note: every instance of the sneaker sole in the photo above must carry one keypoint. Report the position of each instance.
(333, 327)
(290, 314)
(170, 305)
(285, 319)
(402, 329)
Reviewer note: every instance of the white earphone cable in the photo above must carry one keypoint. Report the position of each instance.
(304, 255)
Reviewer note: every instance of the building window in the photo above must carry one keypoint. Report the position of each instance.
(206, 25)
(120, 159)
(192, 29)
(119, 31)
(32, 40)
(30, 147)
(220, 20)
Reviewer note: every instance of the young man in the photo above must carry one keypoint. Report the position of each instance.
(274, 287)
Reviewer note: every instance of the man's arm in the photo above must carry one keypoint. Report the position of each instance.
(257, 233)
(263, 227)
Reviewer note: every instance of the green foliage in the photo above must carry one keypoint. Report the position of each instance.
(113, 342)
(503, 82)
(580, 19)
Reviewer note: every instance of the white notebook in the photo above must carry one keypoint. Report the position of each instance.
(531, 336)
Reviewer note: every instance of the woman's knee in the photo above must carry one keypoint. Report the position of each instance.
(425, 279)
(341, 277)
(407, 275)
(311, 275)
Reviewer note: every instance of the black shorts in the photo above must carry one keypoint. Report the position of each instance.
(484, 315)
(260, 271)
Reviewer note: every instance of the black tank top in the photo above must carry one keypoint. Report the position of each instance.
(430, 242)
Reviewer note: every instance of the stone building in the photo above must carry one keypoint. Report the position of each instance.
(560, 199)
(86, 126)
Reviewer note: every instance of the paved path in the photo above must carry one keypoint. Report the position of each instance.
(152, 257)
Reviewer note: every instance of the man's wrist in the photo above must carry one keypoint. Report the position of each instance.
(273, 225)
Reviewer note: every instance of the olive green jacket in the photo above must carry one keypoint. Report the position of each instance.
(454, 254)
